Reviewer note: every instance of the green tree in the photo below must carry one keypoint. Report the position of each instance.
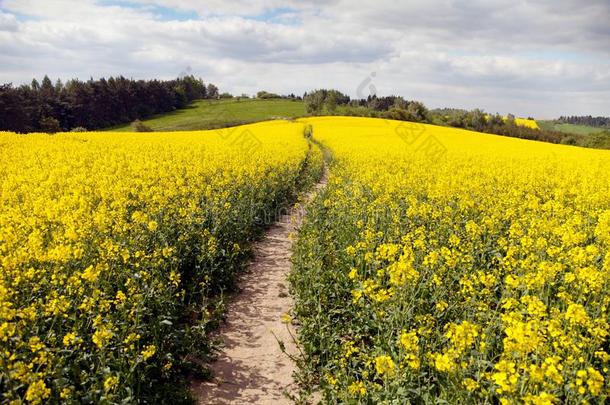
(212, 91)
(50, 125)
(331, 103)
(417, 111)
(314, 102)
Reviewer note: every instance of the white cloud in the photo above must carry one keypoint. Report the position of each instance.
(8, 22)
(531, 58)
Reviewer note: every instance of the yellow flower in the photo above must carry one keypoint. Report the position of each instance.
(381, 295)
(402, 271)
(174, 278)
(37, 392)
(462, 335)
(101, 337)
(470, 384)
(409, 341)
(576, 314)
(120, 297)
(357, 388)
(384, 365)
(442, 362)
(505, 377)
(35, 344)
(90, 274)
(110, 383)
(543, 398)
(65, 393)
(441, 305)
(595, 381)
(330, 379)
(70, 338)
(149, 351)
(353, 273)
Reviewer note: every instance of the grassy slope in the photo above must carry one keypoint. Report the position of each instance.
(569, 128)
(210, 114)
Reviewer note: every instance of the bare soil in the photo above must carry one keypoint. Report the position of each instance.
(251, 367)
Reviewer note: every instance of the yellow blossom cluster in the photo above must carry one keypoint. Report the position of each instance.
(527, 122)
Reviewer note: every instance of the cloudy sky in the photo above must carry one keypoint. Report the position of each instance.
(542, 58)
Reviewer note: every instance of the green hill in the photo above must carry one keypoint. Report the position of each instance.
(568, 128)
(210, 114)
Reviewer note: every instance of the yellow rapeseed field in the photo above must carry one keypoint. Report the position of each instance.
(439, 265)
(447, 265)
(522, 122)
(525, 122)
(106, 241)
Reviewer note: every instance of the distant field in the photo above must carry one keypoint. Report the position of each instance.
(210, 114)
(569, 128)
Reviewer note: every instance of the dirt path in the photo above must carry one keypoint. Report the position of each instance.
(251, 368)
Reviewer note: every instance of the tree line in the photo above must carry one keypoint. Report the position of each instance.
(330, 101)
(600, 122)
(333, 102)
(265, 95)
(93, 104)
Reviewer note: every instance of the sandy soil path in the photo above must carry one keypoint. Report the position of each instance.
(251, 368)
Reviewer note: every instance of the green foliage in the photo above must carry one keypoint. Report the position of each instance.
(356, 111)
(266, 95)
(600, 140)
(324, 101)
(212, 91)
(407, 111)
(314, 102)
(50, 125)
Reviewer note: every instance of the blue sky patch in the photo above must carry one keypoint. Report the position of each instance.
(19, 16)
(160, 12)
(282, 15)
